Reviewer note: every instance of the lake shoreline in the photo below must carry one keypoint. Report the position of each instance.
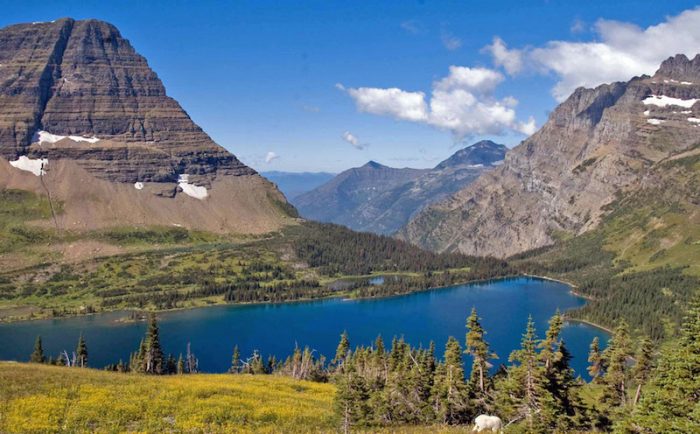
(343, 295)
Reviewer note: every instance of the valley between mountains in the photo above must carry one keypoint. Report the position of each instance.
(113, 199)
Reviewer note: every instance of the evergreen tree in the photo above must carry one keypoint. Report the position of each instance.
(523, 394)
(616, 376)
(643, 366)
(449, 394)
(235, 361)
(596, 367)
(342, 350)
(37, 355)
(81, 353)
(180, 365)
(478, 348)
(351, 399)
(153, 357)
(671, 403)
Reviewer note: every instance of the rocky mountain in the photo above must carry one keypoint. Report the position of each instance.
(597, 147)
(293, 184)
(86, 122)
(349, 198)
(380, 199)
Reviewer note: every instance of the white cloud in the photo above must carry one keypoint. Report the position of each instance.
(270, 157)
(409, 106)
(450, 41)
(619, 52)
(462, 103)
(578, 26)
(353, 140)
(412, 26)
(510, 60)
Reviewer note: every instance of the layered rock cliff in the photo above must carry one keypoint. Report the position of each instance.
(79, 101)
(596, 146)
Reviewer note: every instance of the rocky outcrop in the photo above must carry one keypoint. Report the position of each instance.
(596, 145)
(381, 199)
(77, 92)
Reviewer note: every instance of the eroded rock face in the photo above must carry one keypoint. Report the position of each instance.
(82, 78)
(596, 144)
(79, 105)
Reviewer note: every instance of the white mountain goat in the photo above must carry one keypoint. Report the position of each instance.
(486, 422)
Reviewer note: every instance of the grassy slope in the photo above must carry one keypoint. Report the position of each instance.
(37, 398)
(42, 399)
(644, 259)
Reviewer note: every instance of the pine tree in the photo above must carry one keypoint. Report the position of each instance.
(616, 376)
(449, 394)
(596, 369)
(342, 350)
(643, 366)
(37, 355)
(478, 348)
(81, 353)
(153, 358)
(523, 393)
(180, 365)
(671, 403)
(235, 361)
(351, 399)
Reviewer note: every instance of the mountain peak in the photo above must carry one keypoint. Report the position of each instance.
(680, 67)
(482, 153)
(371, 164)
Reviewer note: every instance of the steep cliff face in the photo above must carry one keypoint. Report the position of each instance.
(75, 94)
(381, 199)
(600, 143)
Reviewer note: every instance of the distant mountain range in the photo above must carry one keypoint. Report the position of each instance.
(381, 199)
(292, 184)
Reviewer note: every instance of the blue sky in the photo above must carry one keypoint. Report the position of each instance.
(304, 84)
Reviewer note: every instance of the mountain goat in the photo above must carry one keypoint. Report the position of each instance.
(486, 422)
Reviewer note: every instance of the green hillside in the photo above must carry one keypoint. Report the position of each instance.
(643, 262)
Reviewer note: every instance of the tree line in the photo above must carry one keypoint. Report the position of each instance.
(635, 388)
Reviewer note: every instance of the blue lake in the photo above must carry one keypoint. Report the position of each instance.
(504, 306)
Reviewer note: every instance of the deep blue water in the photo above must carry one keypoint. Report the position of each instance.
(275, 329)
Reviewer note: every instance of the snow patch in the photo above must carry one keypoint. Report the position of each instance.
(475, 166)
(687, 83)
(190, 189)
(497, 163)
(663, 101)
(138, 185)
(36, 166)
(46, 137)
(694, 120)
(655, 121)
(646, 113)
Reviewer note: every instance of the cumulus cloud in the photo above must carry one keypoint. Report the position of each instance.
(450, 41)
(353, 140)
(510, 60)
(270, 157)
(462, 103)
(619, 51)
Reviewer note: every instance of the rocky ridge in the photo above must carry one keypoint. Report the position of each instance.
(597, 145)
